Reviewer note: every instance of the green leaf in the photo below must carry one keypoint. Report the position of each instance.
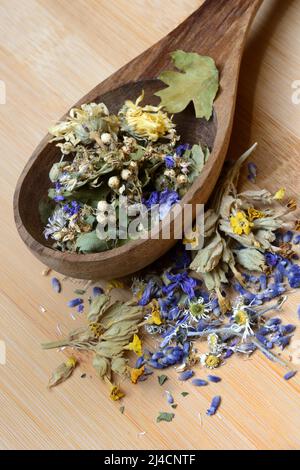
(122, 409)
(184, 394)
(90, 243)
(162, 379)
(251, 259)
(174, 406)
(163, 416)
(198, 82)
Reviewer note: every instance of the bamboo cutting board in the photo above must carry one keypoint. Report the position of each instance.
(52, 51)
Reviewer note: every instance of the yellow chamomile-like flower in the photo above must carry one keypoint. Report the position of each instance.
(135, 345)
(279, 195)
(241, 317)
(147, 122)
(240, 224)
(211, 361)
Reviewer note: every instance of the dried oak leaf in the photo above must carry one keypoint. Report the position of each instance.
(198, 81)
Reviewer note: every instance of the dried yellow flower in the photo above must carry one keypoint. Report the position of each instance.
(254, 214)
(240, 224)
(279, 195)
(115, 393)
(135, 345)
(147, 122)
(136, 373)
(155, 318)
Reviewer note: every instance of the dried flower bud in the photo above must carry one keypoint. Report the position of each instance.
(126, 174)
(106, 138)
(114, 182)
(62, 372)
(102, 206)
(182, 179)
(170, 173)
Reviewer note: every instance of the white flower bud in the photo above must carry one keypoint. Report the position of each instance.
(114, 182)
(106, 138)
(182, 179)
(111, 218)
(125, 174)
(170, 173)
(102, 206)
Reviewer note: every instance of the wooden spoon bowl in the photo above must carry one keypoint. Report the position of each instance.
(217, 29)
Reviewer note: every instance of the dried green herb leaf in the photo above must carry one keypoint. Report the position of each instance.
(122, 409)
(251, 259)
(163, 416)
(265, 238)
(261, 195)
(119, 365)
(62, 373)
(267, 223)
(79, 291)
(209, 256)
(162, 379)
(101, 365)
(90, 243)
(198, 81)
(184, 394)
(210, 222)
(97, 308)
(174, 405)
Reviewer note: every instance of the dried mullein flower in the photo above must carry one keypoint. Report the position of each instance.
(63, 372)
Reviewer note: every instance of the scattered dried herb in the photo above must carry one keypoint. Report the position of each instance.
(163, 416)
(162, 379)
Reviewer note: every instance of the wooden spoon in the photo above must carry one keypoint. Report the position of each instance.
(218, 29)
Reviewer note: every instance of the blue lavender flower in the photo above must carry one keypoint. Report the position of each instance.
(72, 208)
(186, 375)
(287, 236)
(293, 275)
(271, 259)
(169, 161)
(152, 200)
(214, 378)
(75, 302)
(296, 239)
(56, 285)
(290, 374)
(199, 382)
(216, 401)
(263, 281)
(167, 199)
(139, 362)
(150, 291)
(97, 291)
(180, 149)
(183, 281)
(170, 398)
(80, 308)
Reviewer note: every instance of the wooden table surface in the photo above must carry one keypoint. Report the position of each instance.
(52, 52)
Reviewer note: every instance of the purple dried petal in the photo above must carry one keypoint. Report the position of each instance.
(170, 398)
(56, 285)
(75, 302)
(199, 382)
(215, 403)
(287, 236)
(186, 375)
(290, 374)
(252, 171)
(214, 378)
(80, 308)
(97, 291)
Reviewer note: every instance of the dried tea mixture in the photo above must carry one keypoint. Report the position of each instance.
(227, 295)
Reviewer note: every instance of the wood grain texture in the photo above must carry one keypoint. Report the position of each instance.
(222, 26)
(52, 52)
